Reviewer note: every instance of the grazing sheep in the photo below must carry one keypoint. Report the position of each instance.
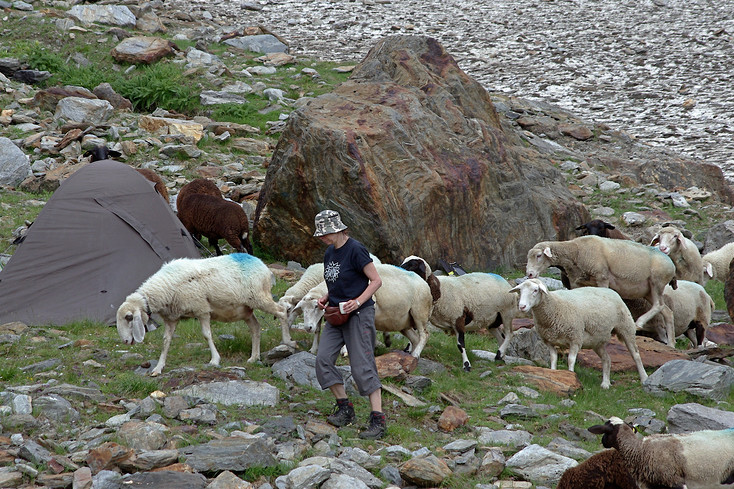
(199, 186)
(633, 270)
(716, 263)
(701, 459)
(683, 252)
(313, 276)
(580, 318)
(403, 304)
(226, 288)
(597, 227)
(469, 302)
(692, 308)
(215, 218)
(604, 470)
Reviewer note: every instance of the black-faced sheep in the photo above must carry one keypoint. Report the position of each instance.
(215, 218)
(716, 263)
(580, 318)
(226, 288)
(403, 304)
(702, 459)
(692, 309)
(683, 252)
(597, 227)
(633, 270)
(101, 152)
(604, 470)
(469, 302)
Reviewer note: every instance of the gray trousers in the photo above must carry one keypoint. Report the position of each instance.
(359, 335)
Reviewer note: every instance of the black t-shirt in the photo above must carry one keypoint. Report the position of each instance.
(343, 271)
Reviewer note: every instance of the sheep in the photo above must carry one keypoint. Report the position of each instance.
(683, 252)
(225, 288)
(701, 459)
(199, 186)
(692, 308)
(215, 218)
(632, 269)
(312, 277)
(403, 304)
(580, 318)
(597, 227)
(469, 302)
(604, 470)
(716, 263)
(102, 152)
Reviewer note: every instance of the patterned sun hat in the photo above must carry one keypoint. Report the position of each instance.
(328, 222)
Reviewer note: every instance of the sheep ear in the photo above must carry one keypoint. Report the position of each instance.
(515, 289)
(542, 287)
(547, 252)
(709, 269)
(580, 227)
(435, 285)
(655, 240)
(681, 240)
(138, 328)
(599, 429)
(608, 226)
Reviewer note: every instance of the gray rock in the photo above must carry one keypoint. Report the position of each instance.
(166, 479)
(263, 43)
(118, 15)
(684, 418)
(33, 452)
(213, 97)
(234, 393)
(540, 464)
(23, 404)
(15, 166)
(57, 409)
(519, 411)
(300, 369)
(347, 467)
(84, 110)
(360, 457)
(633, 219)
(513, 438)
(307, 476)
(719, 235)
(568, 449)
(233, 453)
(200, 414)
(343, 481)
(527, 343)
(140, 435)
(152, 459)
(710, 381)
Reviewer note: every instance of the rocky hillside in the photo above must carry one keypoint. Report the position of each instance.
(77, 408)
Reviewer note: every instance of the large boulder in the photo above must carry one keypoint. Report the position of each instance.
(411, 151)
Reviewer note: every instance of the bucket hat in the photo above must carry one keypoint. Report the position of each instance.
(328, 222)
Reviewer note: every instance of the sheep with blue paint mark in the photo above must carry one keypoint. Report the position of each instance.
(223, 288)
(697, 460)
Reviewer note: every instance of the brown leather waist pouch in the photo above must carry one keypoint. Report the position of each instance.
(334, 317)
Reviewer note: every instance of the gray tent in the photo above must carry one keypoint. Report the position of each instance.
(100, 235)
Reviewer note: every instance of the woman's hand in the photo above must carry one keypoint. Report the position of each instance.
(323, 302)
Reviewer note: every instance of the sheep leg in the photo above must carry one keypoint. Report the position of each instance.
(215, 243)
(554, 357)
(606, 365)
(459, 330)
(206, 330)
(254, 325)
(655, 297)
(167, 336)
(669, 323)
(631, 344)
(573, 351)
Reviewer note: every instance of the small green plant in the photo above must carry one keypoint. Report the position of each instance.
(131, 384)
(160, 85)
(10, 373)
(239, 113)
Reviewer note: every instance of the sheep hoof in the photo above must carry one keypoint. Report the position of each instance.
(498, 357)
(154, 373)
(467, 367)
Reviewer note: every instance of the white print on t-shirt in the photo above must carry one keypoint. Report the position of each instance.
(331, 271)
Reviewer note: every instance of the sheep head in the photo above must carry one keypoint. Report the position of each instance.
(531, 293)
(132, 319)
(101, 152)
(668, 240)
(595, 227)
(312, 313)
(610, 431)
(421, 267)
(539, 259)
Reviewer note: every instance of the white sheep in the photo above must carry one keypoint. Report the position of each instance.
(224, 288)
(313, 276)
(716, 263)
(692, 308)
(403, 304)
(701, 459)
(631, 269)
(683, 252)
(580, 318)
(469, 302)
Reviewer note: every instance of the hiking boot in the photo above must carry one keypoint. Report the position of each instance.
(343, 413)
(377, 427)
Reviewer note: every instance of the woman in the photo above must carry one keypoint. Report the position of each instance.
(351, 279)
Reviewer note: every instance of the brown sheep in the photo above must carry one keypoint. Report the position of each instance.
(199, 186)
(604, 470)
(160, 186)
(215, 218)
